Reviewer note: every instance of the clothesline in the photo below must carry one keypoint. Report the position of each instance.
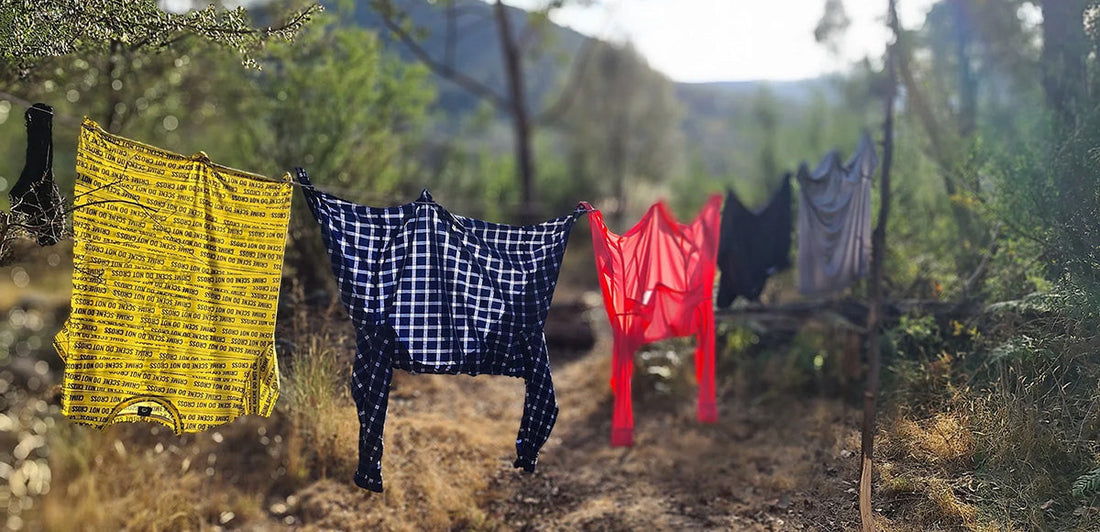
(343, 192)
(66, 119)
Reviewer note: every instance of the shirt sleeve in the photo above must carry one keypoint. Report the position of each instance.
(540, 408)
(370, 387)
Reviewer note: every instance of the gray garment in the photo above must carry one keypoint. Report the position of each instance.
(834, 220)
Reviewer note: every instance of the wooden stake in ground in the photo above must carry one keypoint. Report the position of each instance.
(878, 253)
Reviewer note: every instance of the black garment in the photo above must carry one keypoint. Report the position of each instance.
(753, 245)
(35, 195)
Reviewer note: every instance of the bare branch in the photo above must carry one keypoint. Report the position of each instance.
(449, 55)
(448, 72)
(553, 113)
(527, 38)
(980, 271)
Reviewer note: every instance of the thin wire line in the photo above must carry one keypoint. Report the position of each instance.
(64, 118)
(342, 192)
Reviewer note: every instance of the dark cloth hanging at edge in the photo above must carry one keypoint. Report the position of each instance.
(35, 195)
(754, 244)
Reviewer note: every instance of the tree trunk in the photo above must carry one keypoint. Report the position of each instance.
(878, 254)
(617, 153)
(945, 143)
(968, 84)
(115, 67)
(521, 121)
(969, 226)
(1063, 62)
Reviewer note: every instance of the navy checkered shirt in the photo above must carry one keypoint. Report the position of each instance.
(432, 292)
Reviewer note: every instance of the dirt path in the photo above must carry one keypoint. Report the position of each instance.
(784, 464)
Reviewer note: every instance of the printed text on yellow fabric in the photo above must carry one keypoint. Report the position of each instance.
(176, 276)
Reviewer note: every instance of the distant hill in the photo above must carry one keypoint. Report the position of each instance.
(796, 90)
(719, 116)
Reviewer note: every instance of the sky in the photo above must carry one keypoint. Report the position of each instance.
(733, 40)
(724, 40)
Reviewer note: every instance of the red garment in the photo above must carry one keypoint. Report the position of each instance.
(658, 281)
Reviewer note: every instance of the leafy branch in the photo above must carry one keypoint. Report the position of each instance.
(33, 31)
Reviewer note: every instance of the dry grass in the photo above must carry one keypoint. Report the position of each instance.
(315, 398)
(947, 505)
(990, 434)
(102, 483)
(921, 478)
(991, 465)
(943, 439)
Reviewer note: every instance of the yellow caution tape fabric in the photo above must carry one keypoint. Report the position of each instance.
(176, 277)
